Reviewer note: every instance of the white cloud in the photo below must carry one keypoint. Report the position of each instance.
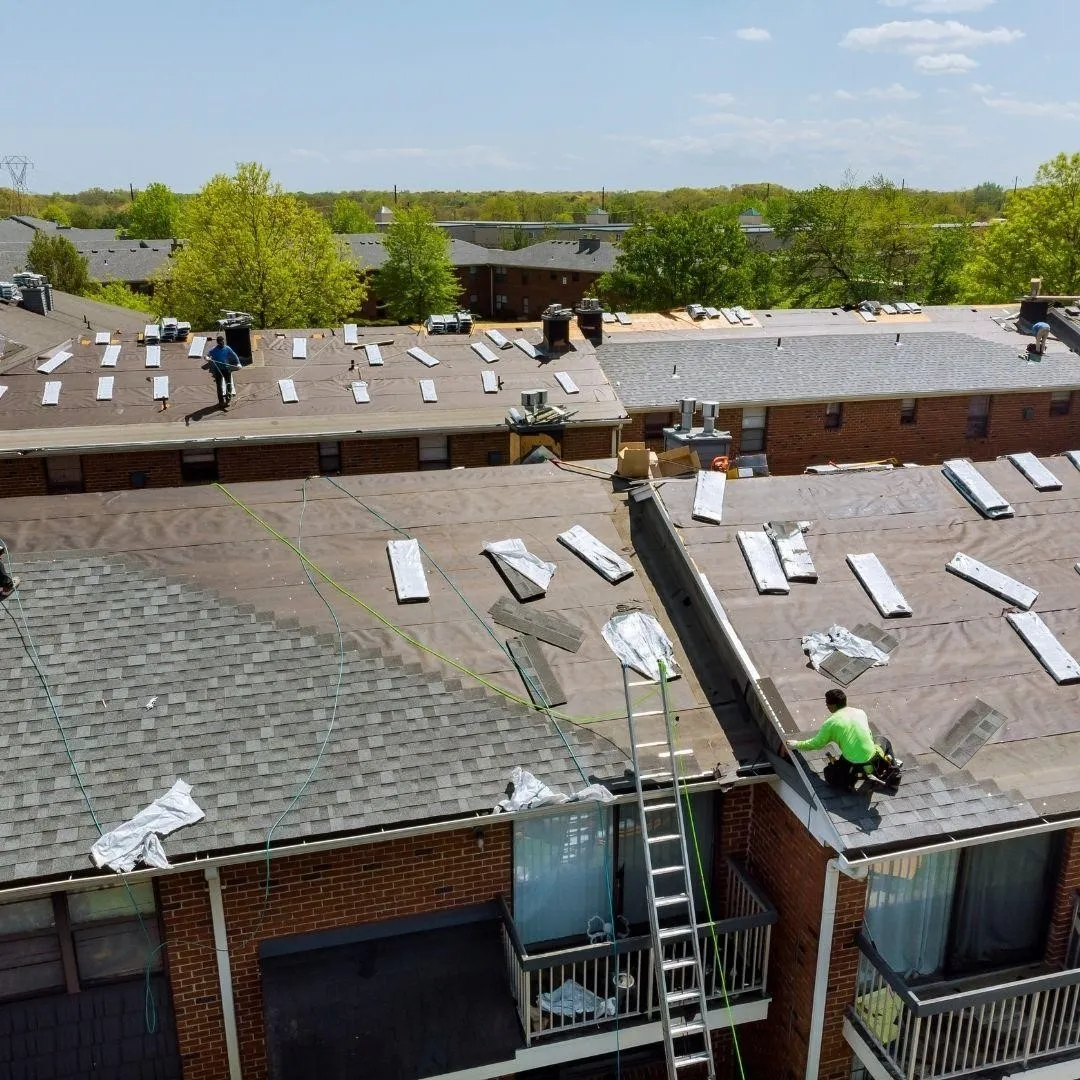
(1058, 110)
(719, 100)
(926, 36)
(893, 92)
(945, 64)
(981, 88)
(753, 33)
(940, 7)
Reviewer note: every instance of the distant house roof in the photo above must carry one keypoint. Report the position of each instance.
(370, 252)
(830, 356)
(189, 644)
(591, 256)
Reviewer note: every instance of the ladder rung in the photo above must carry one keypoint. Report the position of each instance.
(675, 932)
(641, 682)
(671, 901)
(695, 1027)
(681, 997)
(665, 775)
(664, 839)
(659, 805)
(647, 745)
(692, 1059)
(675, 965)
(658, 871)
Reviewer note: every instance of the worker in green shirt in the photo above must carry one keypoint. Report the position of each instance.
(849, 729)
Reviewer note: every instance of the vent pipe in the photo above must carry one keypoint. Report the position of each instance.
(709, 411)
(686, 410)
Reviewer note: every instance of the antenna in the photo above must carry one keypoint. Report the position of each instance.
(17, 166)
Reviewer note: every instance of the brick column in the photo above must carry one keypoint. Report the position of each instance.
(1068, 883)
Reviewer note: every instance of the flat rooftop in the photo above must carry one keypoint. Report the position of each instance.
(180, 638)
(827, 355)
(955, 647)
(323, 382)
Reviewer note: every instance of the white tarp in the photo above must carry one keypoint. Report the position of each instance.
(525, 792)
(138, 840)
(639, 641)
(572, 999)
(820, 645)
(517, 556)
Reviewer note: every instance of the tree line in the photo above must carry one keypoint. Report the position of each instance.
(250, 245)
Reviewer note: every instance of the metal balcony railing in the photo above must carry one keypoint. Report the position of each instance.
(932, 1035)
(565, 990)
(1072, 953)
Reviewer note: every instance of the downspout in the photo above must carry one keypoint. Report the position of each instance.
(221, 950)
(821, 976)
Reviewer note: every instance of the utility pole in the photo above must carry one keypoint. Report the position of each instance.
(17, 166)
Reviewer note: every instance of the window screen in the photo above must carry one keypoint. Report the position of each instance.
(434, 451)
(978, 417)
(329, 458)
(752, 440)
(834, 415)
(63, 474)
(30, 960)
(908, 408)
(115, 932)
(1061, 403)
(198, 466)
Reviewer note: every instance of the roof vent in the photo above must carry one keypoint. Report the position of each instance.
(709, 412)
(1036, 286)
(686, 413)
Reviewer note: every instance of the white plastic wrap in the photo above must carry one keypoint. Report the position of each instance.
(517, 556)
(820, 645)
(639, 641)
(572, 999)
(138, 840)
(525, 792)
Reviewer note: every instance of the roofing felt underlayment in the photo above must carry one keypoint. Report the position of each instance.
(957, 647)
(180, 596)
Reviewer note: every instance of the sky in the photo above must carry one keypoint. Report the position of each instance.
(478, 95)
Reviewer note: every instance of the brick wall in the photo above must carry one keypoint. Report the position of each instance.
(308, 893)
(790, 866)
(22, 476)
(586, 443)
(473, 450)
(1068, 884)
(288, 461)
(540, 288)
(112, 472)
(379, 455)
(726, 420)
(796, 435)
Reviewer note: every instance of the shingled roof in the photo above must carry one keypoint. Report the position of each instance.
(240, 704)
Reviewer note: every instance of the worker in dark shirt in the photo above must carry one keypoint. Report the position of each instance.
(223, 362)
(8, 584)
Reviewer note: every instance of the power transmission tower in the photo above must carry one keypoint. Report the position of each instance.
(17, 166)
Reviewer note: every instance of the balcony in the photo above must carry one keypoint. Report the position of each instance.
(967, 1030)
(590, 988)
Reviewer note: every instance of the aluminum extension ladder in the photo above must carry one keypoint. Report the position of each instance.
(676, 949)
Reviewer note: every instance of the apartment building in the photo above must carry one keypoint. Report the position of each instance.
(349, 874)
(813, 387)
(933, 931)
(92, 407)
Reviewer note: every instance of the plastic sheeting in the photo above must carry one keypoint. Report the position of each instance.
(572, 999)
(820, 645)
(138, 840)
(639, 641)
(517, 556)
(525, 792)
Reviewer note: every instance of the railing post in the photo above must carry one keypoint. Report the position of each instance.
(1033, 1013)
(914, 1044)
(526, 1008)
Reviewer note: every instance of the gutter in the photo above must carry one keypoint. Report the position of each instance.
(821, 973)
(221, 951)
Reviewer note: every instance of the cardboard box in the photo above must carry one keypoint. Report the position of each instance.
(634, 461)
(678, 462)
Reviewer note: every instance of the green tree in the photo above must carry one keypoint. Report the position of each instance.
(986, 200)
(939, 275)
(59, 260)
(58, 211)
(122, 295)
(252, 247)
(418, 278)
(670, 260)
(1040, 237)
(348, 216)
(154, 214)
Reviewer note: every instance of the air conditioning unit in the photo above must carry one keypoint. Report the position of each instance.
(533, 399)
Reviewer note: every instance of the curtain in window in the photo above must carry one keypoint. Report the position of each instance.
(1001, 904)
(632, 856)
(562, 867)
(908, 905)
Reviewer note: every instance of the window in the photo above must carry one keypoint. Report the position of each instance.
(434, 452)
(495, 457)
(198, 466)
(500, 273)
(564, 279)
(957, 912)
(553, 275)
(575, 276)
(329, 458)
(655, 424)
(63, 475)
(472, 271)
(908, 410)
(834, 415)
(1061, 403)
(524, 278)
(68, 941)
(500, 302)
(978, 417)
(525, 305)
(752, 440)
(473, 298)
